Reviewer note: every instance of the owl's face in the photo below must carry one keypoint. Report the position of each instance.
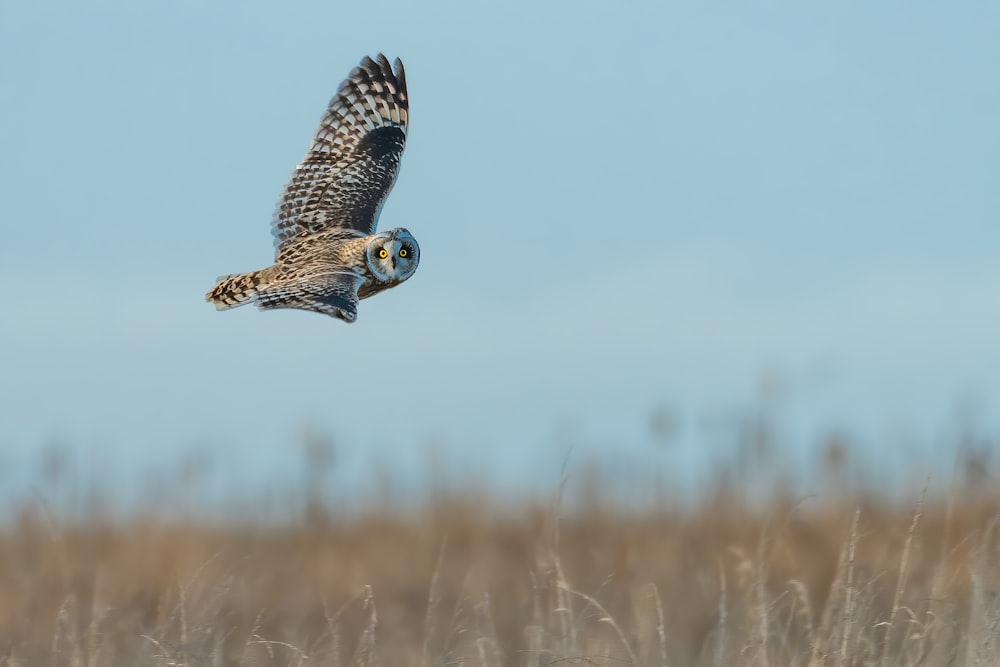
(393, 255)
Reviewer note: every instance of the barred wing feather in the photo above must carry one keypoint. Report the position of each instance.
(354, 157)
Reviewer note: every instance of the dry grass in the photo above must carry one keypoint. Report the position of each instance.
(837, 582)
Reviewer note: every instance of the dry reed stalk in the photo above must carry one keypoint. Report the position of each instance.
(609, 619)
(535, 633)
(661, 632)
(760, 588)
(433, 599)
(933, 645)
(849, 593)
(486, 642)
(901, 580)
(333, 630)
(269, 645)
(254, 630)
(720, 640)
(364, 655)
(803, 596)
(984, 615)
(564, 601)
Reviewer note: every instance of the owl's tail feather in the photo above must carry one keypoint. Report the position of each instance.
(237, 290)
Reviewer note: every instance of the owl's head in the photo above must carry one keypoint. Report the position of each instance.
(393, 255)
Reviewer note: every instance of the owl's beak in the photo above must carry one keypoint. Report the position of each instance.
(394, 261)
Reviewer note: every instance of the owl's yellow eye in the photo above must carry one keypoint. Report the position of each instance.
(402, 252)
(383, 253)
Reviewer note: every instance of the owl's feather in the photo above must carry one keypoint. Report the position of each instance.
(354, 157)
(238, 289)
(334, 294)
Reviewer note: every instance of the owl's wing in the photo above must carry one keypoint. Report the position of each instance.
(352, 162)
(334, 294)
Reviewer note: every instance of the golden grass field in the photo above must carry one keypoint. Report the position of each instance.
(832, 580)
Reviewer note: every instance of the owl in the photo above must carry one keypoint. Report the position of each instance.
(327, 254)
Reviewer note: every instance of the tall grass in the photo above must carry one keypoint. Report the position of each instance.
(840, 581)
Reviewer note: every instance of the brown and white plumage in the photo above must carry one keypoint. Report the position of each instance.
(327, 254)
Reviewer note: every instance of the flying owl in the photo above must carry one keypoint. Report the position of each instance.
(327, 254)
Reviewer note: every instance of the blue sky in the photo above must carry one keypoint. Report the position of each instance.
(619, 208)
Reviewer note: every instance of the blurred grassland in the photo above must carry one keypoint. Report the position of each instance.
(846, 578)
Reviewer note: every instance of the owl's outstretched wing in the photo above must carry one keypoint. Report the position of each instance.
(334, 294)
(352, 163)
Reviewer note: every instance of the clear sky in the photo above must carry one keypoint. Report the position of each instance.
(620, 207)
